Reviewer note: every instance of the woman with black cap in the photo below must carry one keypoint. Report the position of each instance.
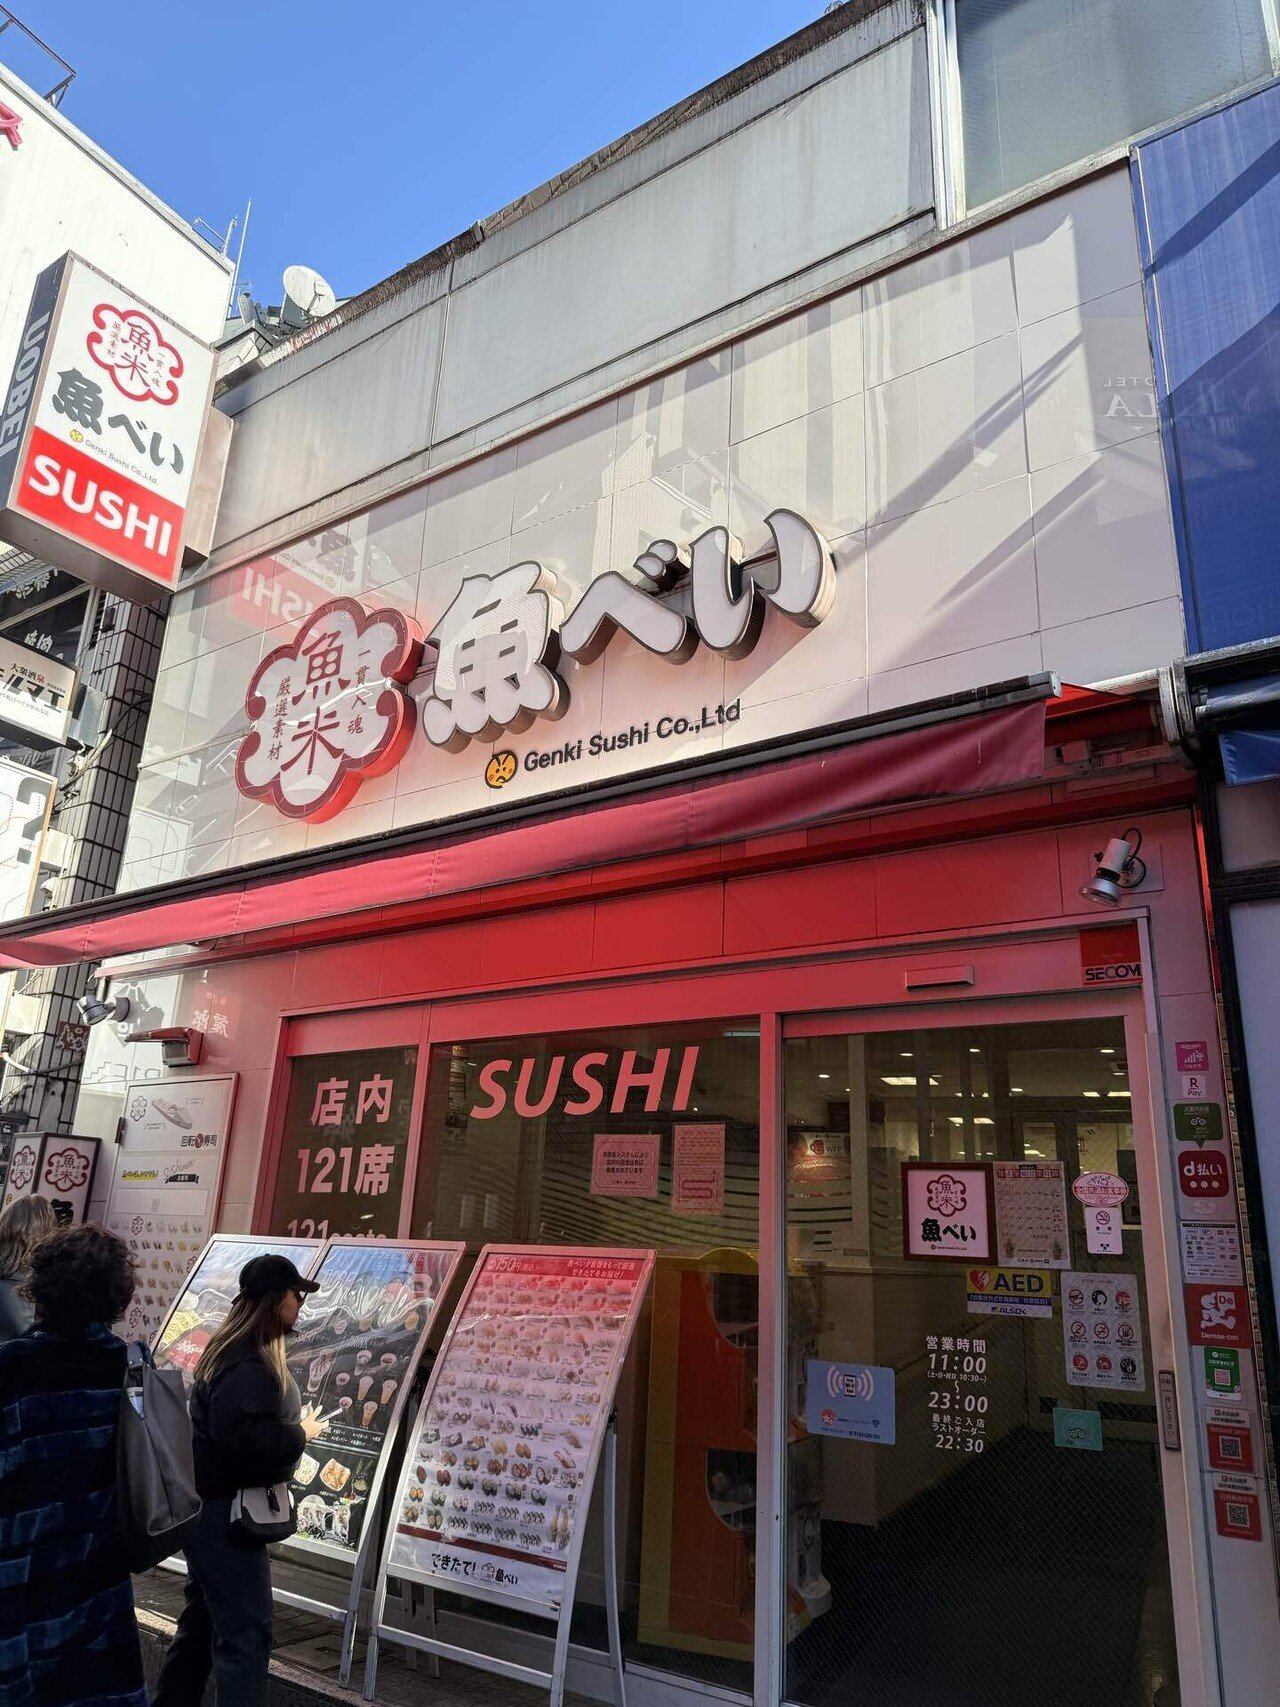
(248, 1431)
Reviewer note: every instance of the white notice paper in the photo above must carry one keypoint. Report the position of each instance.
(1211, 1254)
(1102, 1331)
(625, 1165)
(697, 1169)
(1031, 1214)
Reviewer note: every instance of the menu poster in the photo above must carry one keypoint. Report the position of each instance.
(207, 1295)
(498, 1474)
(1031, 1214)
(353, 1353)
(164, 1196)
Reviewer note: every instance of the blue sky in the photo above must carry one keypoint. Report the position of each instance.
(368, 134)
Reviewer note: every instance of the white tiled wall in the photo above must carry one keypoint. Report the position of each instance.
(973, 431)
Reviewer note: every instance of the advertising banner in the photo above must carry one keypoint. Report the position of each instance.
(164, 1196)
(497, 1479)
(353, 1354)
(212, 1284)
(36, 695)
(100, 433)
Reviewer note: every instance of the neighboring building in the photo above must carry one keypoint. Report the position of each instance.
(668, 665)
(61, 192)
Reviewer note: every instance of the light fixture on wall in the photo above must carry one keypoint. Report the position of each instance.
(93, 1010)
(1119, 869)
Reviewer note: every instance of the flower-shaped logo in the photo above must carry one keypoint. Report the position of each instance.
(947, 1195)
(22, 1169)
(138, 1108)
(329, 710)
(129, 344)
(66, 1170)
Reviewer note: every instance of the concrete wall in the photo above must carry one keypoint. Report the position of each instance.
(973, 430)
(791, 183)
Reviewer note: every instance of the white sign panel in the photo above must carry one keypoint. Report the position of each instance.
(25, 800)
(165, 1193)
(100, 432)
(36, 695)
(1102, 1331)
(1031, 1214)
(624, 1165)
(497, 1479)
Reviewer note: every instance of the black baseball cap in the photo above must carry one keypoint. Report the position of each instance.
(273, 1273)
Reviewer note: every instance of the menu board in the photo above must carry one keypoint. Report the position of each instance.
(353, 1353)
(498, 1473)
(207, 1295)
(173, 1142)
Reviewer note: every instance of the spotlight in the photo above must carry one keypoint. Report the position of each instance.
(1119, 868)
(93, 1010)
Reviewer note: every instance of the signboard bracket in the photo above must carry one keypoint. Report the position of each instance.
(552, 1680)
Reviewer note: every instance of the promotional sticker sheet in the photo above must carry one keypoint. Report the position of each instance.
(498, 1474)
(353, 1354)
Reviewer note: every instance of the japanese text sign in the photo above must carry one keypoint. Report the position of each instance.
(948, 1211)
(497, 1479)
(346, 1132)
(100, 433)
(37, 695)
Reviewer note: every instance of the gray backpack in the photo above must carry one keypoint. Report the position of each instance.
(155, 1475)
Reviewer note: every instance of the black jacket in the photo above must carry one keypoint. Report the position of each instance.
(241, 1434)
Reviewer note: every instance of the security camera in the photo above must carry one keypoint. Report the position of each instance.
(93, 1010)
(1119, 869)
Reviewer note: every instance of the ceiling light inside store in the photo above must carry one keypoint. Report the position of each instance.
(1118, 1094)
(983, 1120)
(1106, 1052)
(902, 1081)
(1015, 1090)
(1093, 1093)
(824, 1075)
(975, 1052)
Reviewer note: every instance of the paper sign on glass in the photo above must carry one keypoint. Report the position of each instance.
(948, 1211)
(1031, 1214)
(697, 1169)
(1102, 1331)
(625, 1165)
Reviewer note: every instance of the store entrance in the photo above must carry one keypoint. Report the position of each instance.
(976, 1516)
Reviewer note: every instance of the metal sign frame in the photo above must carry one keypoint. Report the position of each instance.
(348, 1613)
(604, 1442)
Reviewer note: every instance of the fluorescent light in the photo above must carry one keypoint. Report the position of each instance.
(1117, 1093)
(973, 1051)
(905, 1055)
(824, 1075)
(902, 1081)
(983, 1120)
(1106, 1052)
(957, 1119)
(1092, 1093)
(1016, 1091)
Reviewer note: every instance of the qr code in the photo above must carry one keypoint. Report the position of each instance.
(1237, 1514)
(1229, 1446)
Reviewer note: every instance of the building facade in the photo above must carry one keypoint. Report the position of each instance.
(669, 664)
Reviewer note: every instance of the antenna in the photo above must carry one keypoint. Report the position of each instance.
(307, 297)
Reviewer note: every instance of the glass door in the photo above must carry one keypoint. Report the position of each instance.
(975, 1510)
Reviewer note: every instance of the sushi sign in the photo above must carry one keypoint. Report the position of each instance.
(100, 433)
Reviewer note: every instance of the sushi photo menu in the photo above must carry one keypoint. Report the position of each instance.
(498, 1474)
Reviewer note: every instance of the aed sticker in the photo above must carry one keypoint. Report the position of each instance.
(1026, 1292)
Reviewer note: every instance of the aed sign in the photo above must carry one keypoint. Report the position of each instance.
(1026, 1292)
(100, 432)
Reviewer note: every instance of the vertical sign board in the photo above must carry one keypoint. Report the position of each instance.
(37, 696)
(353, 1354)
(212, 1283)
(100, 433)
(26, 800)
(165, 1193)
(65, 1175)
(500, 1464)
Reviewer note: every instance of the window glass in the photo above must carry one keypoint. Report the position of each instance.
(346, 1131)
(1047, 82)
(972, 1399)
(648, 1138)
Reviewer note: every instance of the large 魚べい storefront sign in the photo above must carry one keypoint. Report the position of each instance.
(342, 700)
(100, 433)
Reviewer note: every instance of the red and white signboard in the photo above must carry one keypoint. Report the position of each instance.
(100, 433)
(497, 1479)
(948, 1211)
(1218, 1315)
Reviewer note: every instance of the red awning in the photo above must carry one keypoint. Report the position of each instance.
(966, 755)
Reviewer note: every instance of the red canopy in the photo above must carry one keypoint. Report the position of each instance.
(966, 755)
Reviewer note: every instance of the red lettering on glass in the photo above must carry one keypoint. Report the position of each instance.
(586, 1082)
(531, 1110)
(652, 1080)
(496, 1092)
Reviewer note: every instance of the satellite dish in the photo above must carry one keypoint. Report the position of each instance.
(307, 297)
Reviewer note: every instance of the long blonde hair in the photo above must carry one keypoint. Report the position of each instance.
(22, 1226)
(251, 1321)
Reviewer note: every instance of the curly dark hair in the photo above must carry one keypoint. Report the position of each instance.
(79, 1276)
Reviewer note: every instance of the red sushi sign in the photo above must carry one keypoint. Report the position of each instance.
(100, 433)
